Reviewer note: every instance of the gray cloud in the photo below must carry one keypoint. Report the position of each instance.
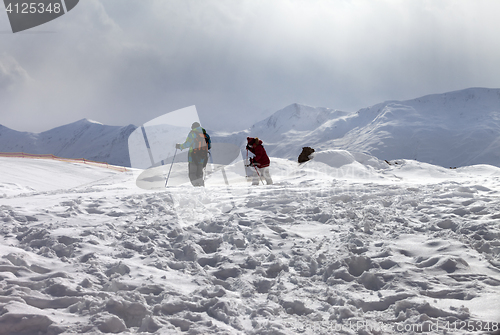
(128, 61)
(11, 74)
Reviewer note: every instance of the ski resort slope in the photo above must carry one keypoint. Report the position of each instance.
(343, 244)
(24, 175)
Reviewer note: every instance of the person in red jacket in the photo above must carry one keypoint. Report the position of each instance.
(260, 161)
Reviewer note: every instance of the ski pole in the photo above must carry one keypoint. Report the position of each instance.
(246, 161)
(258, 174)
(166, 181)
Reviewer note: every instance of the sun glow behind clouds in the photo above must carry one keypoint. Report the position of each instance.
(128, 61)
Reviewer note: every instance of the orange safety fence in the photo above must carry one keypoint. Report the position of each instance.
(70, 160)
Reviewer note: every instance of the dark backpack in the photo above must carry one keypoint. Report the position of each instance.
(207, 139)
(304, 155)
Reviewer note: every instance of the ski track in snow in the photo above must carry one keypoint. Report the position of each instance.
(411, 246)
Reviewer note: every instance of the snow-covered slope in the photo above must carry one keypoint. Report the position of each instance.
(21, 175)
(343, 244)
(452, 129)
(82, 139)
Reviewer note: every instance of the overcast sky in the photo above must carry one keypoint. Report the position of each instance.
(129, 61)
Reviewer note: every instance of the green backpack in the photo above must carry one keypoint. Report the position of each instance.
(201, 145)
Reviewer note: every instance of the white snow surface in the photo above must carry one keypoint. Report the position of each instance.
(342, 244)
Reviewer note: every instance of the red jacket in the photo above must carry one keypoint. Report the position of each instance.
(261, 160)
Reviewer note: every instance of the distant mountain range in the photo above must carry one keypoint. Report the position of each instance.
(452, 129)
(82, 139)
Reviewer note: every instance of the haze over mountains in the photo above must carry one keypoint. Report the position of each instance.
(453, 129)
(81, 139)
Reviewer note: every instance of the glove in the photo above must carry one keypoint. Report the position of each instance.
(177, 146)
(248, 148)
(251, 162)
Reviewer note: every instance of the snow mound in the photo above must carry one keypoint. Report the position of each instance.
(337, 164)
(334, 158)
(339, 158)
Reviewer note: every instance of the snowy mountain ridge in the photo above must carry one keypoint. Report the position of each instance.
(453, 129)
(81, 139)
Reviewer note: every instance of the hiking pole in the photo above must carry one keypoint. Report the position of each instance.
(166, 181)
(258, 174)
(246, 161)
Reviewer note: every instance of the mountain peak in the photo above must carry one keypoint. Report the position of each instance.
(451, 129)
(295, 117)
(87, 121)
(84, 138)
